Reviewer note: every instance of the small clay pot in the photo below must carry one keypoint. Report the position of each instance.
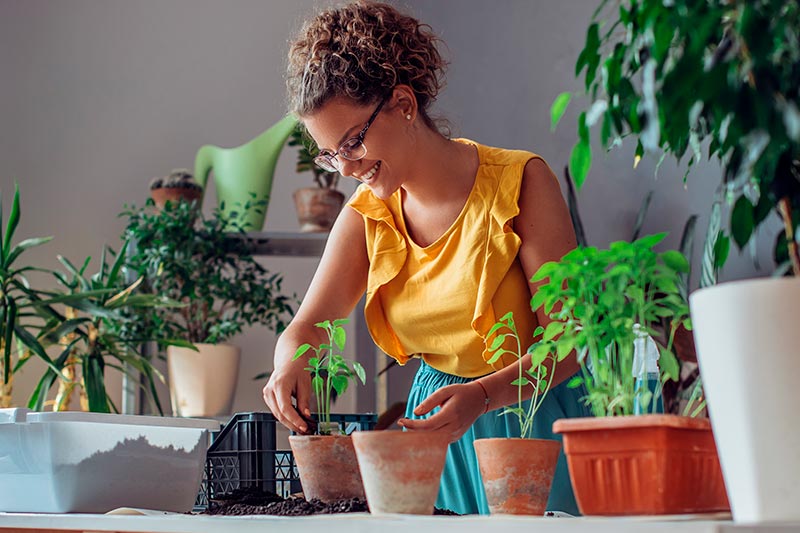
(327, 466)
(162, 195)
(401, 469)
(317, 208)
(517, 473)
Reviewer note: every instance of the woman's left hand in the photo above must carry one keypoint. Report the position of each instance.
(461, 405)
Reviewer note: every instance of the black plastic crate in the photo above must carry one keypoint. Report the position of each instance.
(243, 455)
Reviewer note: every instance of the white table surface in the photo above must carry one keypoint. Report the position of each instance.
(357, 523)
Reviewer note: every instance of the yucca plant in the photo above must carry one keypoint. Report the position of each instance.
(88, 320)
(18, 319)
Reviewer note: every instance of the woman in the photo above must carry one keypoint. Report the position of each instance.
(443, 234)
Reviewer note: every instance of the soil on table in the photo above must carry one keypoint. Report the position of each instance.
(243, 502)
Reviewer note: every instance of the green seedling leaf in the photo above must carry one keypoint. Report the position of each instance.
(359, 370)
(339, 337)
(521, 382)
(302, 349)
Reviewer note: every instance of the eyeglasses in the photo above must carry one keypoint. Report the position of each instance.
(352, 149)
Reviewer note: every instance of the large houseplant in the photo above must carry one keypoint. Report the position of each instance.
(328, 449)
(606, 306)
(691, 75)
(88, 320)
(317, 207)
(517, 472)
(206, 263)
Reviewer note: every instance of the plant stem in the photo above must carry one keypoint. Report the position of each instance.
(785, 208)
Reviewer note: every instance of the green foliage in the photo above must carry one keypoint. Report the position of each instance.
(91, 330)
(330, 371)
(537, 376)
(595, 298)
(198, 261)
(17, 315)
(675, 75)
(307, 150)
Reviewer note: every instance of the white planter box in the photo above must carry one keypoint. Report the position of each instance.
(75, 462)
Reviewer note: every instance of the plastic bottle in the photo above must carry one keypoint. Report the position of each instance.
(645, 372)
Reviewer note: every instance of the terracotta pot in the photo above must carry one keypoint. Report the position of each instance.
(517, 473)
(175, 194)
(203, 383)
(327, 466)
(643, 465)
(401, 469)
(317, 208)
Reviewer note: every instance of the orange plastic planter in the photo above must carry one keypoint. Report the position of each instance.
(643, 465)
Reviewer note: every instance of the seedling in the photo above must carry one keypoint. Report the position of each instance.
(330, 371)
(537, 376)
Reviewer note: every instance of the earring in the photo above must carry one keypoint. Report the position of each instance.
(408, 117)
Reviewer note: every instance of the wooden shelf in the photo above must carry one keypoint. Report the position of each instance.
(287, 243)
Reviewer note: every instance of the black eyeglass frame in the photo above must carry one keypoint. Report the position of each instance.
(327, 160)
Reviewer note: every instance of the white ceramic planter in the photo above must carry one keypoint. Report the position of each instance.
(203, 383)
(748, 346)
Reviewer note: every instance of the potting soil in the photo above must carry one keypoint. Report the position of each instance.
(243, 502)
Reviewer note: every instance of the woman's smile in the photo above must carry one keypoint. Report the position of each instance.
(369, 176)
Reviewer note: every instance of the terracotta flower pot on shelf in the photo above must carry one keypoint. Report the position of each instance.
(327, 466)
(401, 470)
(517, 473)
(643, 465)
(317, 208)
(163, 195)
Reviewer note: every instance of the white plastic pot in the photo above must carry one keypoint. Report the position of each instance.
(203, 383)
(748, 347)
(75, 462)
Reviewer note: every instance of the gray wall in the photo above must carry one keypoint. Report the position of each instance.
(97, 97)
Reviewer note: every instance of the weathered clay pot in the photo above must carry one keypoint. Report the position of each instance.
(401, 469)
(317, 208)
(327, 466)
(175, 194)
(517, 473)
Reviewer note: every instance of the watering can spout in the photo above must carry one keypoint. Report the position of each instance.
(244, 175)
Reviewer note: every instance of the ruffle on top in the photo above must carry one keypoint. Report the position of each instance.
(496, 193)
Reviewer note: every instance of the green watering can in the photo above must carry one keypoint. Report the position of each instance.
(243, 171)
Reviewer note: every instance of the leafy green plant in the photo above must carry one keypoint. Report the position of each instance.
(600, 301)
(684, 74)
(207, 264)
(330, 371)
(86, 320)
(307, 150)
(17, 315)
(537, 376)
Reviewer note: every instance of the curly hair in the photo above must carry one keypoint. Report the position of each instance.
(362, 51)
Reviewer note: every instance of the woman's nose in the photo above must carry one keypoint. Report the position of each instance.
(347, 168)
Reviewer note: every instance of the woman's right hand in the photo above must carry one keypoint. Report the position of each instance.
(289, 380)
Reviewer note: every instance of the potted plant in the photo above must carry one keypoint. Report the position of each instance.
(179, 185)
(317, 207)
(89, 323)
(721, 75)
(606, 305)
(329, 449)
(197, 261)
(517, 473)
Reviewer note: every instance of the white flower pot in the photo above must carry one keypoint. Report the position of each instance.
(202, 384)
(748, 346)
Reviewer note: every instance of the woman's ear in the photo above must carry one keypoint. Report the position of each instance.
(404, 102)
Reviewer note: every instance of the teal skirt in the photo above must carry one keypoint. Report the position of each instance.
(461, 489)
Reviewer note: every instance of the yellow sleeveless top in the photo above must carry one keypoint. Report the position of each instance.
(438, 302)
